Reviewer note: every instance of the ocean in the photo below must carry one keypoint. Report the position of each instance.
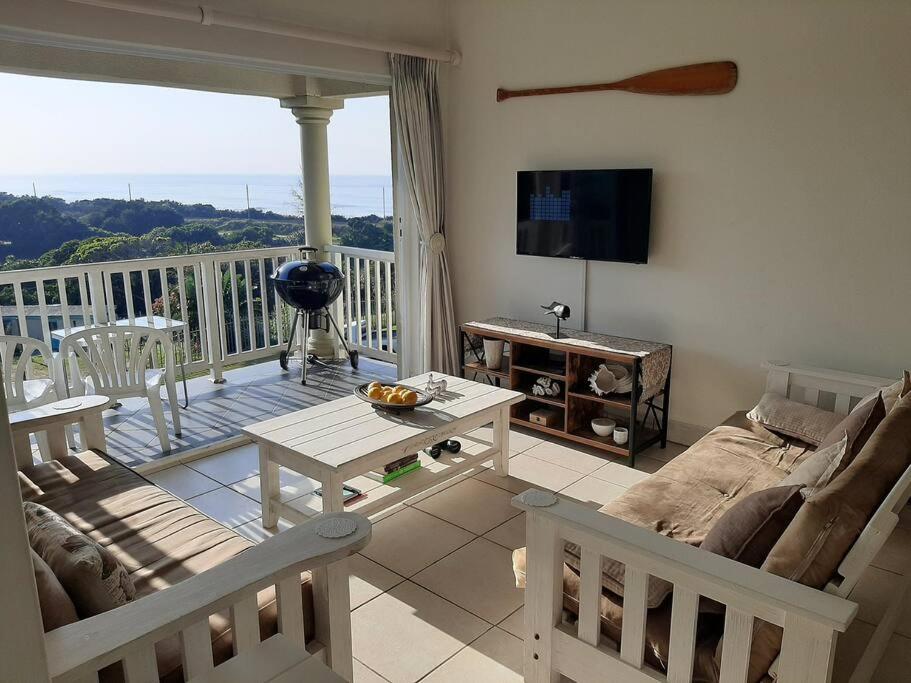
(350, 195)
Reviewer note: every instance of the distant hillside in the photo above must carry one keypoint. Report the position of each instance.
(48, 231)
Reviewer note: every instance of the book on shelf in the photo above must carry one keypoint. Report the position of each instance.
(395, 474)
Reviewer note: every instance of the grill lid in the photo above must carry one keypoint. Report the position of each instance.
(308, 285)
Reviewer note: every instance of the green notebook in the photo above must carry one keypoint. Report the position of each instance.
(395, 474)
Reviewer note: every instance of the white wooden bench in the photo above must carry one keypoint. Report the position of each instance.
(811, 618)
(77, 652)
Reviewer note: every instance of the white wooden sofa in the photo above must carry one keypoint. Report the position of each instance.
(811, 619)
(128, 635)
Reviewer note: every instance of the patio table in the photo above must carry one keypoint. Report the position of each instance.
(348, 437)
(154, 322)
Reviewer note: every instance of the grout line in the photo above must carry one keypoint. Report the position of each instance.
(464, 647)
(381, 677)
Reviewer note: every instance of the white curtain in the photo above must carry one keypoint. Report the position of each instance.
(419, 136)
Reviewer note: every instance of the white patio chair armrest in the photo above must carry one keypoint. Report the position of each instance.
(78, 650)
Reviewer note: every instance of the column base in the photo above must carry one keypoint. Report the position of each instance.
(323, 345)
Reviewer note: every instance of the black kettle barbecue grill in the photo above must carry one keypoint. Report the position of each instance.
(309, 287)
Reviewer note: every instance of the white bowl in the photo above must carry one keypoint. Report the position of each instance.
(603, 426)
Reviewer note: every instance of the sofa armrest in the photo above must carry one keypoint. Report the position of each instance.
(76, 651)
(810, 618)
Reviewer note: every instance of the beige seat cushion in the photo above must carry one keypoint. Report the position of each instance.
(160, 539)
(685, 498)
(93, 578)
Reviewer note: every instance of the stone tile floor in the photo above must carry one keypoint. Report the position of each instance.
(217, 411)
(433, 596)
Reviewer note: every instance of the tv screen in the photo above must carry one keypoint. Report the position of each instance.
(596, 215)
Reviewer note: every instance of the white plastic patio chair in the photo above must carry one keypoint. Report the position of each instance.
(22, 389)
(117, 361)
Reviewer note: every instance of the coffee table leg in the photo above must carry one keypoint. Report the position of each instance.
(501, 441)
(333, 499)
(268, 487)
(91, 433)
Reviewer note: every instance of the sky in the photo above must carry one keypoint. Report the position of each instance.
(60, 126)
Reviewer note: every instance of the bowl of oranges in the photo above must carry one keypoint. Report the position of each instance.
(393, 397)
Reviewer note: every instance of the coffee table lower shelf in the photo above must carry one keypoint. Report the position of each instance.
(432, 477)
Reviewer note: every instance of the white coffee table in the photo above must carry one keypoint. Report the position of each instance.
(342, 439)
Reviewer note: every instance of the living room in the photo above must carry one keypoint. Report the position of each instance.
(775, 270)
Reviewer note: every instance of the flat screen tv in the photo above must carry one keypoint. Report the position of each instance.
(593, 215)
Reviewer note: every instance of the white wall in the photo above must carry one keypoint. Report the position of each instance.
(781, 214)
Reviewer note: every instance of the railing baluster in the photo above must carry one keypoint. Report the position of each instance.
(235, 304)
(357, 300)
(109, 304)
(20, 309)
(128, 295)
(389, 307)
(64, 303)
(276, 309)
(264, 302)
(84, 300)
(379, 305)
(198, 290)
(146, 291)
(42, 310)
(347, 316)
(221, 319)
(184, 311)
(248, 289)
(165, 293)
(368, 291)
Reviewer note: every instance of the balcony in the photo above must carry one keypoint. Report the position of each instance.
(236, 327)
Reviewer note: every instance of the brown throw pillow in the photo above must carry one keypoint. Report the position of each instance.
(93, 578)
(827, 525)
(818, 469)
(798, 420)
(859, 426)
(56, 607)
(749, 530)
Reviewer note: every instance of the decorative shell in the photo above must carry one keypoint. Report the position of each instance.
(545, 386)
(602, 381)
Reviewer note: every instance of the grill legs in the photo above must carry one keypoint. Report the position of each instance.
(307, 357)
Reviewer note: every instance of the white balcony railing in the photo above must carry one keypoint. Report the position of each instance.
(234, 316)
(367, 306)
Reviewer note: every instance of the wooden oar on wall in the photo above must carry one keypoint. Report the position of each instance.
(711, 78)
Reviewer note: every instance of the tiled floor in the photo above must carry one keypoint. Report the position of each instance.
(433, 595)
(217, 411)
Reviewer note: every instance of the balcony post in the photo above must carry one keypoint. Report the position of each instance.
(312, 114)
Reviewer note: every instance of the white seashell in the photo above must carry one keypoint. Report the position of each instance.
(602, 381)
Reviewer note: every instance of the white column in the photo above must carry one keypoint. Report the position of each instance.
(313, 114)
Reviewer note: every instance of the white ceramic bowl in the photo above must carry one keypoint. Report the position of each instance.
(603, 426)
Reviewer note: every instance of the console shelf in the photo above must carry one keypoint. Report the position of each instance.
(570, 361)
